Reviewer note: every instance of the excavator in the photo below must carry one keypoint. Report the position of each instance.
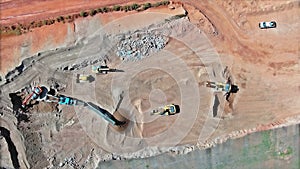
(103, 69)
(218, 86)
(65, 100)
(166, 110)
(227, 87)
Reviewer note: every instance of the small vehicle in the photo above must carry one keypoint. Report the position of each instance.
(167, 110)
(266, 25)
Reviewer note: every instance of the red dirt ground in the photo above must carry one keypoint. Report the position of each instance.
(14, 11)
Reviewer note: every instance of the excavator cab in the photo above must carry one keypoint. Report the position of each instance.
(227, 87)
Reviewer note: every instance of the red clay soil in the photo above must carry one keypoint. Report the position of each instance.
(37, 40)
(16, 11)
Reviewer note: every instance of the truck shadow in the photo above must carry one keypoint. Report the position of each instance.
(116, 70)
(104, 114)
(215, 106)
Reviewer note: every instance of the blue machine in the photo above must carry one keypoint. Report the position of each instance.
(227, 88)
(66, 100)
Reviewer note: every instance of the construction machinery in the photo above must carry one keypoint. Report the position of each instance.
(34, 95)
(41, 93)
(63, 100)
(227, 87)
(83, 78)
(167, 110)
(102, 69)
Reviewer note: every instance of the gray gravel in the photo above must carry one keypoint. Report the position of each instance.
(140, 44)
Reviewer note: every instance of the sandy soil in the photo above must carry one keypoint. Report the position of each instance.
(263, 63)
(14, 49)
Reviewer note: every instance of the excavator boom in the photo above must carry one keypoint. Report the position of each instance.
(35, 93)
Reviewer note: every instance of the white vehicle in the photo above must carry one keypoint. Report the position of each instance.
(266, 25)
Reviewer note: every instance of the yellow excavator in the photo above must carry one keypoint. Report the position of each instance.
(227, 87)
(166, 110)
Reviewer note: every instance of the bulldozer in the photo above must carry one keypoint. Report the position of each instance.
(166, 110)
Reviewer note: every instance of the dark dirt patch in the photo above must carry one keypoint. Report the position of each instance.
(34, 152)
(11, 147)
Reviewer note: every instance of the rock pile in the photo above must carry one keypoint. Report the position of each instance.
(82, 64)
(140, 44)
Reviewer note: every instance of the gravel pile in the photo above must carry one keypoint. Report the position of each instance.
(140, 44)
(82, 64)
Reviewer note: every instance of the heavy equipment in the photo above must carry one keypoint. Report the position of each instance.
(83, 78)
(102, 69)
(66, 100)
(34, 95)
(62, 100)
(227, 87)
(166, 110)
(41, 93)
